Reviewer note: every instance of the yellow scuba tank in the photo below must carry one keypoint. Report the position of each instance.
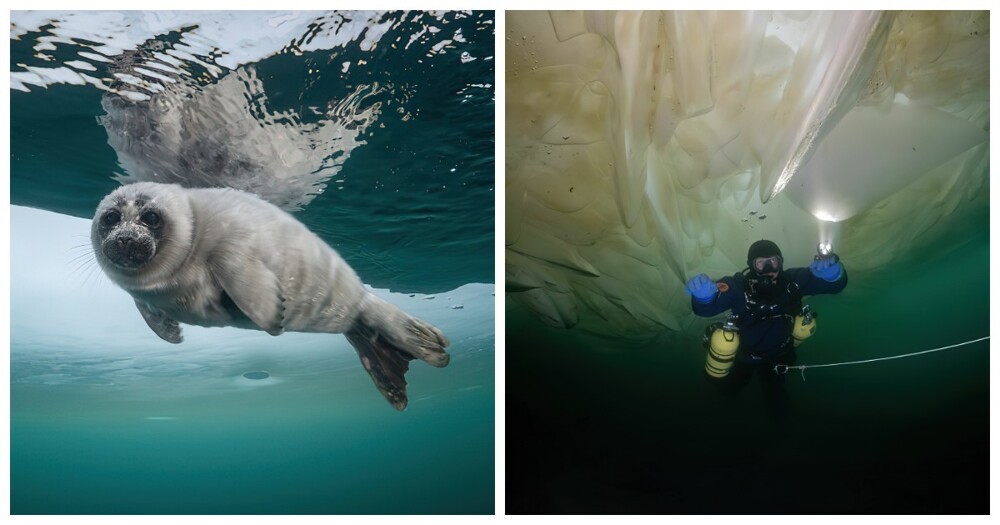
(805, 325)
(722, 340)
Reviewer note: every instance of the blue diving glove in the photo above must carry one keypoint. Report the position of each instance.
(828, 269)
(702, 288)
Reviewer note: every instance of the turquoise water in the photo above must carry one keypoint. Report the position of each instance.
(604, 426)
(108, 419)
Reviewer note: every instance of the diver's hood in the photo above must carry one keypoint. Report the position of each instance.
(763, 248)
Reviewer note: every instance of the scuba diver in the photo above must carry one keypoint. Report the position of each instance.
(766, 304)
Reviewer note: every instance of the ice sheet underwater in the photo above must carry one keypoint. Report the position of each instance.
(646, 147)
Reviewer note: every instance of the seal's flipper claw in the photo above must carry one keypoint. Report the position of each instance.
(386, 364)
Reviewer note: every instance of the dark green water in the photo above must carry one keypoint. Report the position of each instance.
(599, 426)
(107, 419)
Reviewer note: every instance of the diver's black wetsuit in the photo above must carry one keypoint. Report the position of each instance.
(765, 322)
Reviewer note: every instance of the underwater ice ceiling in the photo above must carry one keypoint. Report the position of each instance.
(646, 147)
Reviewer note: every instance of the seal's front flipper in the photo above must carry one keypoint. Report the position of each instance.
(385, 363)
(168, 329)
(255, 290)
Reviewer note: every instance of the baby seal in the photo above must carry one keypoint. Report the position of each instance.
(222, 257)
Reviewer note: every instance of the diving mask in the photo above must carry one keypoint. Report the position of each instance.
(767, 264)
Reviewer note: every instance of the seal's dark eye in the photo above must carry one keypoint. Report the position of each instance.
(110, 218)
(151, 219)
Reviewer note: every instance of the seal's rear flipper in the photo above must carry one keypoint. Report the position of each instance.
(409, 335)
(385, 363)
(387, 339)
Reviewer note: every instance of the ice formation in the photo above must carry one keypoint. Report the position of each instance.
(646, 147)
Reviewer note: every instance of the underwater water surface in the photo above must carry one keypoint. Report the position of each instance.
(376, 131)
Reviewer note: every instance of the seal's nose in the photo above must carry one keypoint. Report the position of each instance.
(127, 244)
(128, 250)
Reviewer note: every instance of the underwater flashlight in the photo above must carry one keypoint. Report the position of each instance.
(824, 249)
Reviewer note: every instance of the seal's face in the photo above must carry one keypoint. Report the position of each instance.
(128, 230)
(142, 233)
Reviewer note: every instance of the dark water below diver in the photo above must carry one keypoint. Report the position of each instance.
(634, 427)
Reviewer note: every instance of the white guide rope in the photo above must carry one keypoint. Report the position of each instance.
(783, 369)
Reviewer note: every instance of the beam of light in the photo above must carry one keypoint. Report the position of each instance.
(829, 231)
(824, 216)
